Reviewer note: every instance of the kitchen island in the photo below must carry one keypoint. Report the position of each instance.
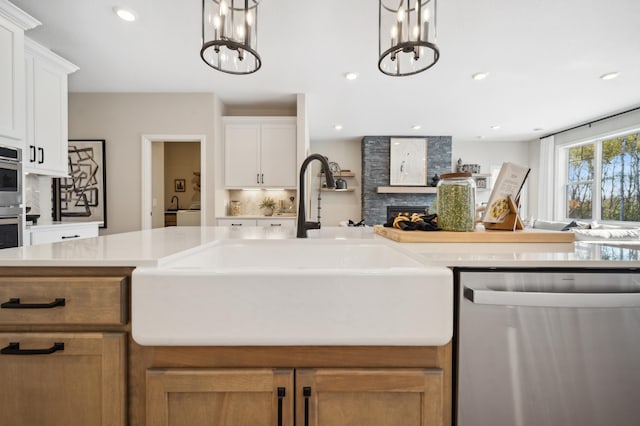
(93, 360)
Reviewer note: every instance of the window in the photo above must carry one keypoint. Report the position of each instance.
(603, 179)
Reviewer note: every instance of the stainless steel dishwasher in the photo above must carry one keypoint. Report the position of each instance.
(548, 347)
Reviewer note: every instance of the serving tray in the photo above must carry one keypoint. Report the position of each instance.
(479, 236)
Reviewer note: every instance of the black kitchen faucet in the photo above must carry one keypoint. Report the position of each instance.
(303, 225)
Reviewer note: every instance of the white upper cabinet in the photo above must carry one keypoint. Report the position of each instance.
(260, 152)
(13, 23)
(47, 111)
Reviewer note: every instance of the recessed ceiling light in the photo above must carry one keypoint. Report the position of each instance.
(538, 129)
(496, 127)
(480, 137)
(338, 127)
(351, 75)
(124, 13)
(416, 127)
(480, 75)
(609, 75)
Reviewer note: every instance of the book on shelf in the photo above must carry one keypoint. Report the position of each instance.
(508, 184)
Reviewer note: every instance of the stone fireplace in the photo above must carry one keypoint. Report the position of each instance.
(375, 173)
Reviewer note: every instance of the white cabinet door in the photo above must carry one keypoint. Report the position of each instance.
(260, 152)
(242, 155)
(47, 116)
(11, 84)
(278, 155)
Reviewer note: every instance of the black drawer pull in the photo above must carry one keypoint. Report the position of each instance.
(14, 349)
(281, 394)
(15, 304)
(306, 392)
(64, 237)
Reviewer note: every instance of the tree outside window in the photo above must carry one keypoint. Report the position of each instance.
(614, 165)
(620, 194)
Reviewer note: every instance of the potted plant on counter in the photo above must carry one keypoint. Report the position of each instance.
(268, 205)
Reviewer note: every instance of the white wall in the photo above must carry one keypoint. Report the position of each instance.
(337, 206)
(491, 155)
(121, 119)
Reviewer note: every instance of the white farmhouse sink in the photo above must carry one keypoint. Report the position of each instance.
(293, 292)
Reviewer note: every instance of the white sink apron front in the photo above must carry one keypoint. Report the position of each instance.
(293, 292)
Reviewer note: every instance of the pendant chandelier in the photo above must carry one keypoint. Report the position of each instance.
(230, 35)
(407, 36)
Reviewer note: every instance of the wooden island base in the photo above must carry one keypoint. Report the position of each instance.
(89, 369)
(273, 385)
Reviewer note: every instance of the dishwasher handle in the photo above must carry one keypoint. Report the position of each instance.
(485, 296)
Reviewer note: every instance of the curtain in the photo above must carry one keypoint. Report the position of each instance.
(546, 175)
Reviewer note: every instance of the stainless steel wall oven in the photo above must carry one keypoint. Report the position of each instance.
(10, 227)
(10, 177)
(11, 215)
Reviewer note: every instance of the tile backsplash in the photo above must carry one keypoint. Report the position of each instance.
(250, 200)
(37, 195)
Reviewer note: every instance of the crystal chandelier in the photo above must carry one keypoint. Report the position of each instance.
(230, 35)
(407, 36)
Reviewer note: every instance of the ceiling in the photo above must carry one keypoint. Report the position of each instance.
(544, 59)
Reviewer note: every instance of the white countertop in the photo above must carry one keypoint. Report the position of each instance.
(150, 247)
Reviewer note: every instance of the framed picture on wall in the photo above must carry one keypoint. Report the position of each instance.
(179, 185)
(408, 166)
(82, 197)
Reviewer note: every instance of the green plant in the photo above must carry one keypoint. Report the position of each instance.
(268, 203)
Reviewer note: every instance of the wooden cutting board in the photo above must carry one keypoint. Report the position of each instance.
(478, 236)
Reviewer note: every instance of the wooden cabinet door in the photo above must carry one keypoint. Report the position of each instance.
(242, 156)
(80, 382)
(219, 397)
(278, 155)
(369, 397)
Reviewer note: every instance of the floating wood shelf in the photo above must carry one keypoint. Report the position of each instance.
(406, 190)
(337, 190)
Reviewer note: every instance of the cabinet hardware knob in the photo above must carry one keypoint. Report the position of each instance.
(32, 153)
(14, 349)
(14, 303)
(41, 151)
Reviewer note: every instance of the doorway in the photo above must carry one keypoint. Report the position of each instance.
(159, 182)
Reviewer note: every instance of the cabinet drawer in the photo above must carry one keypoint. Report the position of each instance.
(277, 223)
(236, 222)
(63, 300)
(63, 234)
